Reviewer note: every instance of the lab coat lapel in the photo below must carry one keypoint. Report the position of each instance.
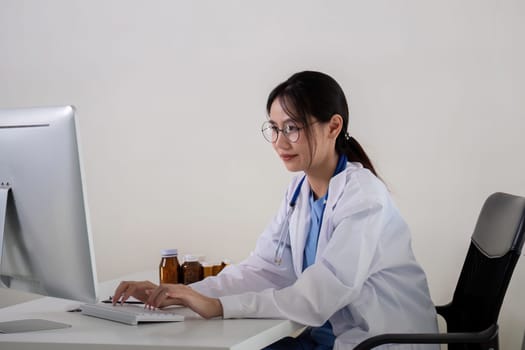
(335, 191)
(299, 225)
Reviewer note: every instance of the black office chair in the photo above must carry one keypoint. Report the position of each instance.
(472, 316)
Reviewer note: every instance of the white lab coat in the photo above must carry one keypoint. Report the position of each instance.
(365, 279)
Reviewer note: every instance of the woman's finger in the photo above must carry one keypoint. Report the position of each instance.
(156, 297)
(119, 291)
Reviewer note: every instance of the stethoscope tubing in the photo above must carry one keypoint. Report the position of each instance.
(281, 244)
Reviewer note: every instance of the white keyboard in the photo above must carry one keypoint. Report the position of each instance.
(130, 314)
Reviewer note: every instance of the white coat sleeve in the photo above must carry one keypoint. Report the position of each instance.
(258, 271)
(332, 282)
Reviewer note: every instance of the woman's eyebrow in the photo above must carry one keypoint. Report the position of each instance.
(287, 120)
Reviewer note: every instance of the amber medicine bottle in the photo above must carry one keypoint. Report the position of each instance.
(169, 268)
(191, 269)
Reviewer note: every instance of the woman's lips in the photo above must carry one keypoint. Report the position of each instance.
(287, 157)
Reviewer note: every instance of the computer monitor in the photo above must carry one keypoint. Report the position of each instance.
(45, 241)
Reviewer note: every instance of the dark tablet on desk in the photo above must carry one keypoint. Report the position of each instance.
(30, 325)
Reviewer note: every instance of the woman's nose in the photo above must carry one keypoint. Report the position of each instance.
(282, 141)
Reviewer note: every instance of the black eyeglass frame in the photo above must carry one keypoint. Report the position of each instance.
(269, 125)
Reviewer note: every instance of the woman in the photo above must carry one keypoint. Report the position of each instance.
(337, 256)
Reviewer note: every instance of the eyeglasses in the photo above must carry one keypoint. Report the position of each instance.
(290, 130)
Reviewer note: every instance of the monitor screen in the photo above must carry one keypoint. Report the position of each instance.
(46, 244)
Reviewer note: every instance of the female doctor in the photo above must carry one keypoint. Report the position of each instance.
(337, 257)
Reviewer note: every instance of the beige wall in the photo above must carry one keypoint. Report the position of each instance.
(171, 95)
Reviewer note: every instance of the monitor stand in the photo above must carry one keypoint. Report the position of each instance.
(4, 195)
(27, 325)
(30, 325)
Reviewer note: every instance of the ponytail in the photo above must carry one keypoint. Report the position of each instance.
(348, 145)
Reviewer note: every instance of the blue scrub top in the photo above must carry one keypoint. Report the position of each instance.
(323, 335)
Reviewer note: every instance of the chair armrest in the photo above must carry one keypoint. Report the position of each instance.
(482, 337)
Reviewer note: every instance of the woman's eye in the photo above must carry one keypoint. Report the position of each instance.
(290, 128)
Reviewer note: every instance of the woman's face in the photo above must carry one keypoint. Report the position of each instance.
(297, 156)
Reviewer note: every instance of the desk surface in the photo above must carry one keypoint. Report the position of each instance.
(94, 333)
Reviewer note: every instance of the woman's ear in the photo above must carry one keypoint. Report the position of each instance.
(335, 125)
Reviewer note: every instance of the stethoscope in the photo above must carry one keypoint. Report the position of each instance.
(281, 244)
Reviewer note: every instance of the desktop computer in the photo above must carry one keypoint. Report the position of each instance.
(46, 245)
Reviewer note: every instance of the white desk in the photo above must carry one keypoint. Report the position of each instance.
(93, 333)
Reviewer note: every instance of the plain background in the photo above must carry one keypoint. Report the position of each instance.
(171, 96)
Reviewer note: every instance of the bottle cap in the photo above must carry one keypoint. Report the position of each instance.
(169, 252)
(190, 258)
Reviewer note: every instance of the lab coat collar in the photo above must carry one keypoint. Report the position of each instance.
(300, 219)
(335, 191)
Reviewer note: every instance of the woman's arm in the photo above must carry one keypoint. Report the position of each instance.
(334, 281)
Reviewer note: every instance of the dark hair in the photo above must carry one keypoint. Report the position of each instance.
(314, 94)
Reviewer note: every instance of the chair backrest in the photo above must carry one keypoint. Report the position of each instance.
(492, 255)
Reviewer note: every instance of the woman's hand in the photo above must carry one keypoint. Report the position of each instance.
(179, 294)
(134, 289)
